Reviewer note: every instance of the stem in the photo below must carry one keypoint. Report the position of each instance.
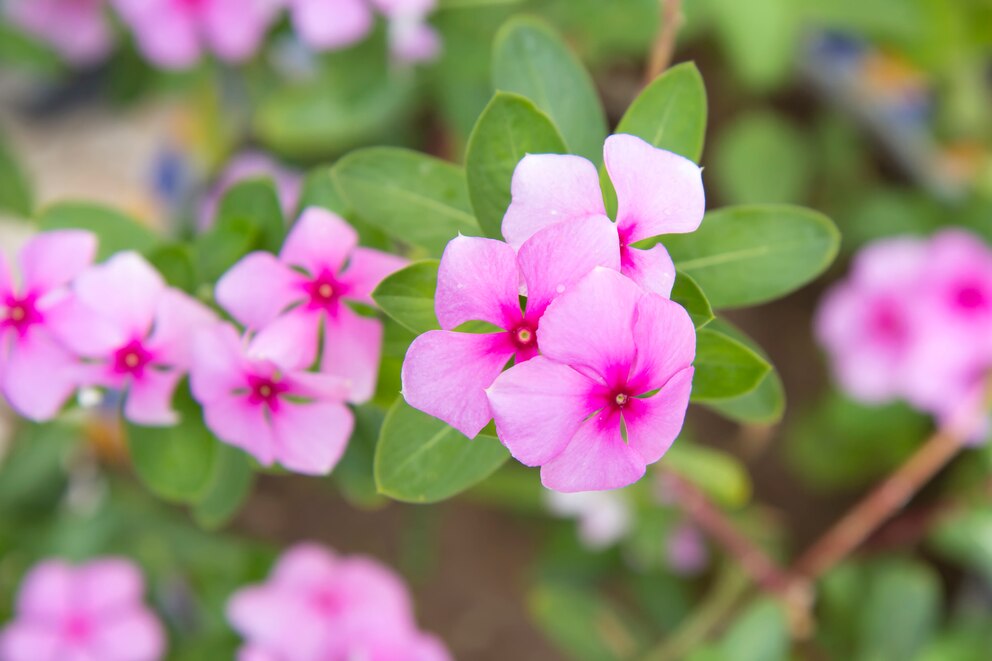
(664, 43)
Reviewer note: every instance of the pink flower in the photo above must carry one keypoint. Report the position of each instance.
(316, 605)
(331, 24)
(247, 165)
(173, 34)
(77, 29)
(37, 373)
(446, 372)
(658, 192)
(685, 550)
(604, 517)
(609, 393)
(411, 37)
(134, 334)
(93, 611)
(268, 406)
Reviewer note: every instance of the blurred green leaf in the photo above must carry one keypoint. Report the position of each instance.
(901, 607)
(408, 295)
(354, 473)
(966, 539)
(413, 197)
(19, 49)
(175, 262)
(530, 59)
(32, 472)
(765, 404)
(760, 633)
(725, 368)
(747, 255)
(229, 485)
(509, 128)
(319, 191)
(115, 231)
(722, 477)
(16, 196)
(419, 459)
(687, 293)
(760, 39)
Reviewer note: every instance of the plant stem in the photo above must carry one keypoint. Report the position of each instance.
(664, 43)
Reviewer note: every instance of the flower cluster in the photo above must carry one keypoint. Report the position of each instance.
(316, 605)
(91, 611)
(602, 359)
(913, 320)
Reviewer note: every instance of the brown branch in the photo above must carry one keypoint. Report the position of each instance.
(664, 43)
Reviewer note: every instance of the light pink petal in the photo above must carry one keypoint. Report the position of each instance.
(149, 399)
(445, 375)
(352, 348)
(377, 597)
(108, 584)
(652, 269)
(6, 283)
(256, 653)
(29, 640)
(548, 189)
(397, 8)
(310, 438)
(78, 29)
(237, 422)
(658, 192)
(218, 363)
(47, 591)
(177, 319)
(290, 341)
(311, 385)
(331, 24)
(891, 263)
(366, 269)
(597, 458)
(557, 257)
(477, 281)
(666, 343)
(320, 241)
(279, 620)
(130, 635)
(258, 288)
(165, 34)
(413, 39)
(125, 290)
(83, 331)
(653, 423)
(590, 327)
(51, 259)
(304, 565)
(39, 376)
(427, 647)
(538, 406)
(235, 28)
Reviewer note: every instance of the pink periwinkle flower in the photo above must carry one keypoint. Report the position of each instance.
(411, 38)
(134, 334)
(269, 406)
(609, 393)
(91, 611)
(37, 372)
(331, 24)
(289, 298)
(174, 34)
(78, 30)
(658, 192)
(446, 372)
(317, 605)
(247, 165)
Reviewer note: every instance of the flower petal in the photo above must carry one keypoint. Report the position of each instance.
(412, 39)
(167, 37)
(596, 459)
(653, 423)
(290, 341)
(591, 327)
(39, 376)
(366, 269)
(277, 619)
(108, 583)
(477, 281)
(258, 288)
(538, 406)
(303, 566)
(320, 241)
(52, 259)
(47, 591)
(310, 438)
(445, 375)
(125, 290)
(652, 269)
(331, 24)
(149, 399)
(237, 422)
(658, 192)
(27, 640)
(218, 363)
(547, 189)
(352, 348)
(235, 28)
(666, 343)
(557, 257)
(132, 635)
(177, 319)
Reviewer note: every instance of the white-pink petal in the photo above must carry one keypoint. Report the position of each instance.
(258, 288)
(149, 399)
(331, 24)
(477, 280)
(352, 349)
(652, 269)
(665, 338)
(39, 376)
(653, 423)
(597, 458)
(125, 290)
(366, 269)
(319, 241)
(310, 438)
(52, 259)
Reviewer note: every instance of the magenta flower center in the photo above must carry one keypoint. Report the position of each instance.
(888, 324)
(327, 602)
(524, 336)
(20, 313)
(323, 291)
(265, 390)
(972, 298)
(77, 627)
(190, 5)
(132, 359)
(621, 399)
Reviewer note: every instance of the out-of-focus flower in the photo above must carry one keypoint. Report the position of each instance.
(411, 37)
(604, 517)
(331, 24)
(269, 406)
(92, 611)
(134, 334)
(685, 550)
(609, 393)
(37, 373)
(658, 192)
(316, 605)
(248, 165)
(174, 34)
(288, 299)
(446, 372)
(77, 29)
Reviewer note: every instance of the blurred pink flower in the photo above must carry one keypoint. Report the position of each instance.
(288, 299)
(658, 192)
(249, 165)
(685, 550)
(78, 30)
(134, 334)
(609, 393)
(604, 517)
(173, 34)
(92, 611)
(446, 372)
(37, 373)
(269, 406)
(411, 38)
(316, 605)
(331, 24)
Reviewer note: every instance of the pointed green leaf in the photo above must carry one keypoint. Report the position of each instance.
(687, 293)
(114, 230)
(725, 368)
(408, 295)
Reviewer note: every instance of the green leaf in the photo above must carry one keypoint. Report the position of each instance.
(765, 404)
(671, 112)
(413, 197)
(530, 59)
(747, 255)
(229, 485)
(966, 539)
(319, 191)
(509, 128)
(175, 262)
(176, 463)
(687, 293)
(20, 49)
(115, 231)
(761, 633)
(721, 476)
(354, 473)
(725, 368)
(760, 38)
(15, 189)
(408, 295)
(419, 459)
(901, 609)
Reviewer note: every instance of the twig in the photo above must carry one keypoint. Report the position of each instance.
(664, 43)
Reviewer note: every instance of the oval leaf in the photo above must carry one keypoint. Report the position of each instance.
(229, 486)
(114, 230)
(725, 368)
(408, 295)
(419, 459)
(687, 293)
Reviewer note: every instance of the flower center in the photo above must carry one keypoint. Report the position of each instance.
(323, 291)
(77, 627)
(266, 390)
(132, 359)
(971, 297)
(621, 399)
(525, 336)
(19, 313)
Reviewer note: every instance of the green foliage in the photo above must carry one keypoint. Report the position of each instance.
(687, 293)
(354, 473)
(114, 230)
(759, 38)
(408, 296)
(725, 367)
(719, 475)
(16, 196)
(765, 404)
